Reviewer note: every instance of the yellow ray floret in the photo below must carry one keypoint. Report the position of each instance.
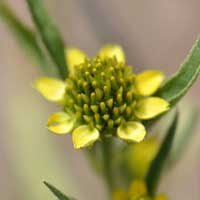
(110, 51)
(131, 131)
(74, 57)
(84, 136)
(150, 107)
(148, 82)
(52, 89)
(60, 123)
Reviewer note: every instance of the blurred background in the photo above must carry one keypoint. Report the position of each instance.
(155, 34)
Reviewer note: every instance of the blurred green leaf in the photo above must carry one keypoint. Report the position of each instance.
(56, 192)
(49, 34)
(185, 131)
(23, 34)
(157, 165)
(179, 84)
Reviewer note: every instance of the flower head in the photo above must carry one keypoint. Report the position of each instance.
(136, 191)
(102, 97)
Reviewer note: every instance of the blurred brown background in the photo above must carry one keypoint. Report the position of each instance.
(155, 34)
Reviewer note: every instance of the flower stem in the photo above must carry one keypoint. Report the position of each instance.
(107, 163)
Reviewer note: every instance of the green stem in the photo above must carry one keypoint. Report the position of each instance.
(107, 163)
(93, 159)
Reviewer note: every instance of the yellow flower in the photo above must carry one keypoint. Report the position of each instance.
(136, 191)
(102, 97)
(142, 154)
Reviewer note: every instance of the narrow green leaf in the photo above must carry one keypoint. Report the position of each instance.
(157, 165)
(49, 34)
(56, 192)
(23, 34)
(177, 86)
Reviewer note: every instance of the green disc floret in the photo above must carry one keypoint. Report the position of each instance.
(100, 93)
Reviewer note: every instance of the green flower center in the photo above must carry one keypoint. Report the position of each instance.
(100, 93)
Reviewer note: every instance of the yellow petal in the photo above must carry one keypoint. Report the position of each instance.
(161, 197)
(60, 123)
(119, 194)
(148, 82)
(150, 107)
(131, 131)
(137, 188)
(84, 136)
(51, 88)
(110, 51)
(74, 57)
